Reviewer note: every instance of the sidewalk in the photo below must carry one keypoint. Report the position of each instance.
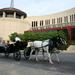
(70, 49)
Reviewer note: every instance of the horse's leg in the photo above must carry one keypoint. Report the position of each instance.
(56, 54)
(31, 53)
(36, 53)
(49, 56)
(57, 57)
(43, 53)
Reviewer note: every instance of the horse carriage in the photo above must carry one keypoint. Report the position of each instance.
(50, 46)
(13, 48)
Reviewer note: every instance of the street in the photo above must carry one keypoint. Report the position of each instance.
(8, 66)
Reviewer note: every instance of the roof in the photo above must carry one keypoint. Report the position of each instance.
(13, 10)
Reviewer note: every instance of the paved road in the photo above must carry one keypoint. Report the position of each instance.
(8, 66)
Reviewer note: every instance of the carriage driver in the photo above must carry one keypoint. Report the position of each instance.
(17, 38)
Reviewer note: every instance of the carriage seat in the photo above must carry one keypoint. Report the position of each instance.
(2, 45)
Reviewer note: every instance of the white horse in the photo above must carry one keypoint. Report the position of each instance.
(49, 46)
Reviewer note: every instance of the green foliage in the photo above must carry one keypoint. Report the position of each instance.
(38, 35)
(12, 36)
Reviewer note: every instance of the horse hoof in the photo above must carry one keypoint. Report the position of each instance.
(50, 62)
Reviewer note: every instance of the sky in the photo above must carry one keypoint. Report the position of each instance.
(40, 7)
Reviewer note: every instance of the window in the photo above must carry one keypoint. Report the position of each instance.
(65, 19)
(70, 18)
(32, 23)
(61, 19)
(36, 23)
(40, 23)
(53, 21)
(47, 22)
(57, 21)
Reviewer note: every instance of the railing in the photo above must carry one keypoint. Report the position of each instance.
(54, 26)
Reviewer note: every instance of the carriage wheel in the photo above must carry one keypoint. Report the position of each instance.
(27, 53)
(6, 54)
(26, 56)
(17, 56)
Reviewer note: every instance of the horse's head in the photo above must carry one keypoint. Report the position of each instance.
(61, 41)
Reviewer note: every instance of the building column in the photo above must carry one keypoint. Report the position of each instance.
(22, 17)
(14, 14)
(4, 14)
